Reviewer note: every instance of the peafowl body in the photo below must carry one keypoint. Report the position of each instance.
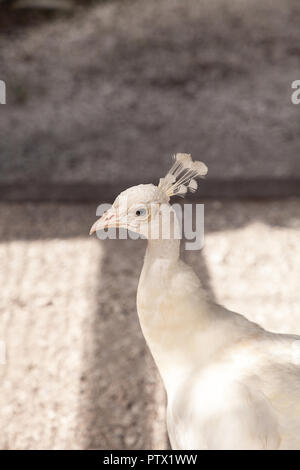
(230, 384)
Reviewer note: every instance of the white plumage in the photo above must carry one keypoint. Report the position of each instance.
(230, 384)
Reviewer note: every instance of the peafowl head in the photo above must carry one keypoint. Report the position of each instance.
(145, 209)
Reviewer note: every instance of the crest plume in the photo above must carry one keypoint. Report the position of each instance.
(181, 178)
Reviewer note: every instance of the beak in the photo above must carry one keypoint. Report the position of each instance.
(109, 219)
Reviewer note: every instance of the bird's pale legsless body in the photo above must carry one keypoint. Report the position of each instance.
(230, 384)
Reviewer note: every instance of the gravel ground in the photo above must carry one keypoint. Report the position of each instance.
(78, 374)
(122, 85)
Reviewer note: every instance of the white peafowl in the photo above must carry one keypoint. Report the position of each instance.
(230, 384)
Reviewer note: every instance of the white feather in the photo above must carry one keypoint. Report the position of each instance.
(182, 174)
(193, 185)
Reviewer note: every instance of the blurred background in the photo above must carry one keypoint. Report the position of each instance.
(100, 94)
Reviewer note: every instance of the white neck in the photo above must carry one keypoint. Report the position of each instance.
(170, 327)
(182, 327)
(167, 250)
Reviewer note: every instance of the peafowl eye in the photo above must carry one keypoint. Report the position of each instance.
(141, 212)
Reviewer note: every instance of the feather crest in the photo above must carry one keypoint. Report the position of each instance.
(181, 177)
